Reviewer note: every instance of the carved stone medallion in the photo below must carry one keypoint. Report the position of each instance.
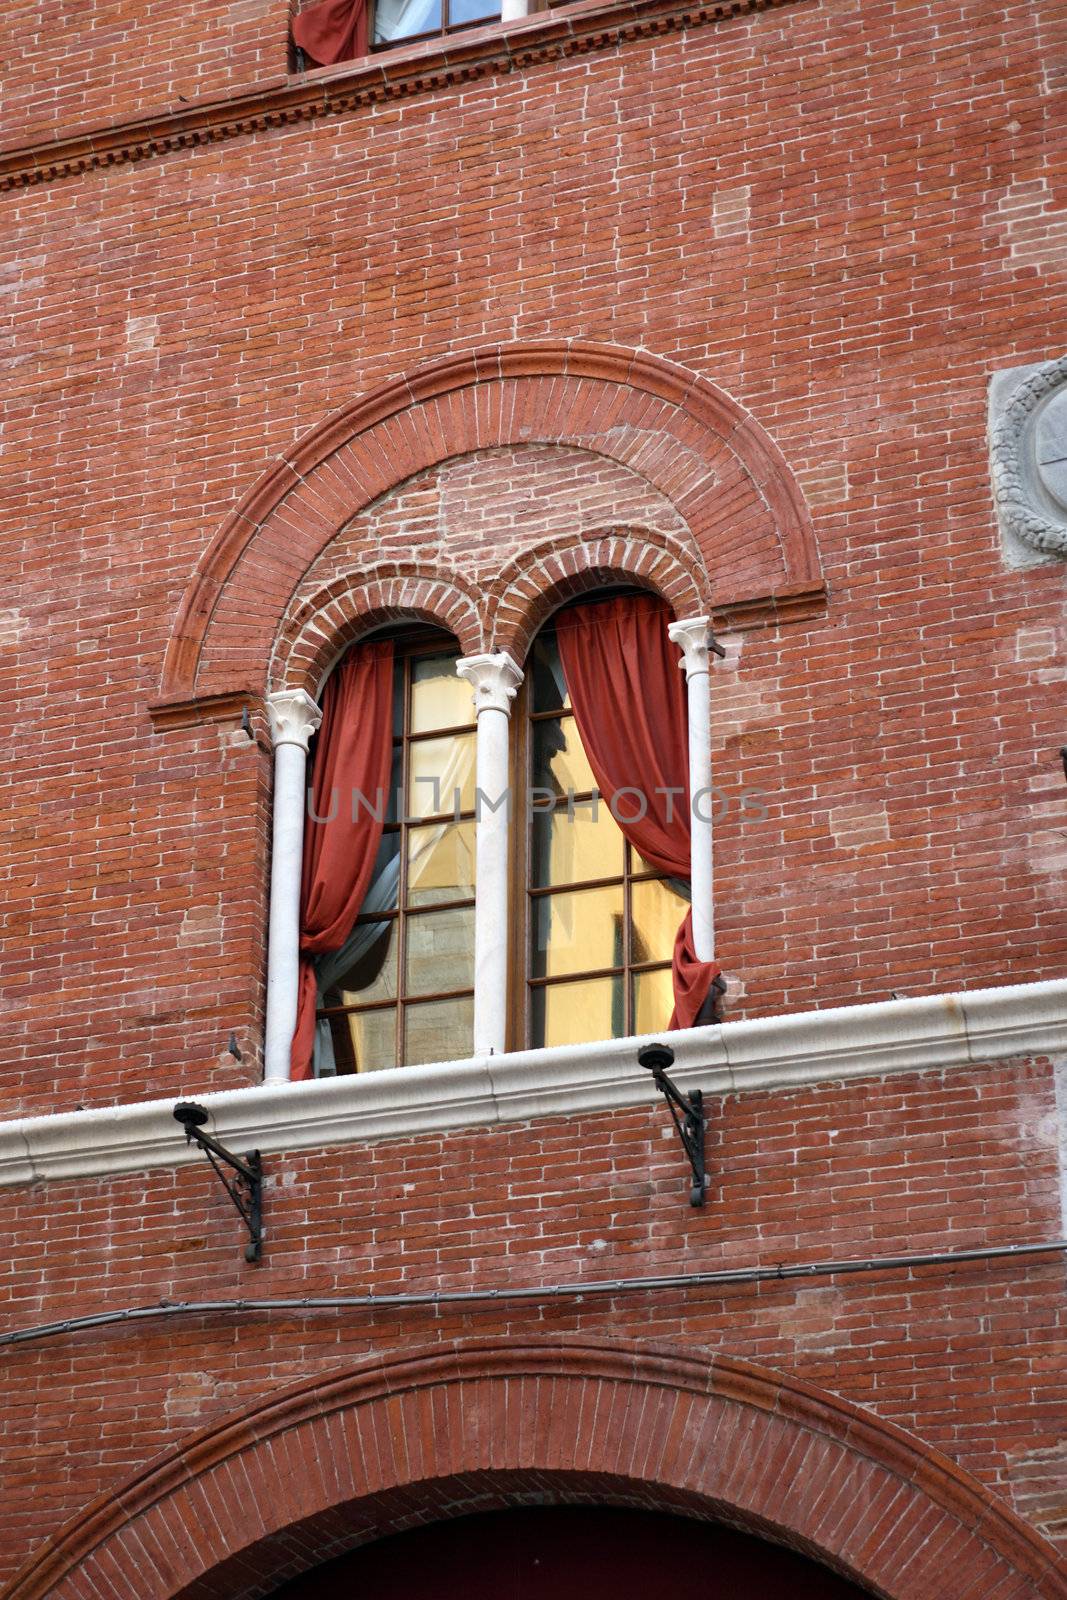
(1028, 456)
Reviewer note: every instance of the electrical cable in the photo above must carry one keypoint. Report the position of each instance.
(553, 1291)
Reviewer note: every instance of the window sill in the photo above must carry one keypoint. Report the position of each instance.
(932, 1033)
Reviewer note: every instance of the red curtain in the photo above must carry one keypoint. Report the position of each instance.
(353, 756)
(333, 30)
(628, 693)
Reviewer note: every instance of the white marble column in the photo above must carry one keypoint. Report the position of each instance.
(494, 679)
(695, 640)
(510, 9)
(294, 716)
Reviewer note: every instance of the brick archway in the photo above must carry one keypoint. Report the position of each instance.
(529, 589)
(686, 439)
(339, 613)
(353, 1455)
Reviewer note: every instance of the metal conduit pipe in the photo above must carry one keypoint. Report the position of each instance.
(553, 1291)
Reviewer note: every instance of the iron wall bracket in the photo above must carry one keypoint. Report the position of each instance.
(687, 1112)
(246, 1189)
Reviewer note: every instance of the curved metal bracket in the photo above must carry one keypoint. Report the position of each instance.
(246, 1190)
(691, 1122)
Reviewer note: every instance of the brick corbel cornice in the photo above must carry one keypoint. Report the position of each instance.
(332, 91)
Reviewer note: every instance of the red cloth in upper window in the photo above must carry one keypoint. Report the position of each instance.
(353, 752)
(626, 686)
(333, 30)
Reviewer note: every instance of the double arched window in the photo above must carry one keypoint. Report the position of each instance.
(504, 873)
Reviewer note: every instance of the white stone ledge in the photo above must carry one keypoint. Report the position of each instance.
(935, 1033)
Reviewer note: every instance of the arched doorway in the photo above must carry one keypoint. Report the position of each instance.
(572, 1553)
(415, 1438)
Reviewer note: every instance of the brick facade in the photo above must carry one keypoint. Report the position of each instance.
(708, 303)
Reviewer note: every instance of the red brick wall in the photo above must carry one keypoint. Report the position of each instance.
(838, 256)
(970, 1359)
(846, 215)
(101, 60)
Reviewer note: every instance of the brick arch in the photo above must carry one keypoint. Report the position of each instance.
(533, 585)
(700, 449)
(325, 622)
(355, 1454)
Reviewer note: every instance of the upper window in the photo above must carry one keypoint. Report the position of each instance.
(328, 32)
(396, 20)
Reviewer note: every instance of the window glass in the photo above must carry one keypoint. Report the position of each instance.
(575, 1013)
(656, 910)
(405, 19)
(399, 949)
(579, 932)
(439, 1031)
(560, 763)
(371, 973)
(439, 699)
(466, 11)
(363, 1041)
(441, 775)
(576, 843)
(601, 920)
(396, 20)
(440, 862)
(440, 951)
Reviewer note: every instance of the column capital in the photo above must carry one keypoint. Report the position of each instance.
(294, 716)
(694, 638)
(494, 678)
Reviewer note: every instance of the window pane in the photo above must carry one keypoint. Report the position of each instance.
(549, 687)
(364, 1041)
(440, 770)
(574, 1013)
(575, 844)
(439, 699)
(577, 932)
(472, 10)
(559, 761)
(440, 951)
(440, 1031)
(440, 862)
(653, 1000)
(369, 966)
(657, 909)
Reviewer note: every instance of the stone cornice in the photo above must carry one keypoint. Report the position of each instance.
(929, 1033)
(329, 91)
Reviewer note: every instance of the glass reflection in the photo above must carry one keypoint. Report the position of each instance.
(472, 11)
(548, 685)
(653, 1000)
(559, 760)
(440, 951)
(404, 19)
(575, 1013)
(439, 698)
(364, 1041)
(657, 910)
(442, 1030)
(441, 772)
(576, 843)
(577, 932)
(372, 966)
(440, 862)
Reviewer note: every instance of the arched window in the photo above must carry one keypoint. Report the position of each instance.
(400, 989)
(600, 919)
(385, 951)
